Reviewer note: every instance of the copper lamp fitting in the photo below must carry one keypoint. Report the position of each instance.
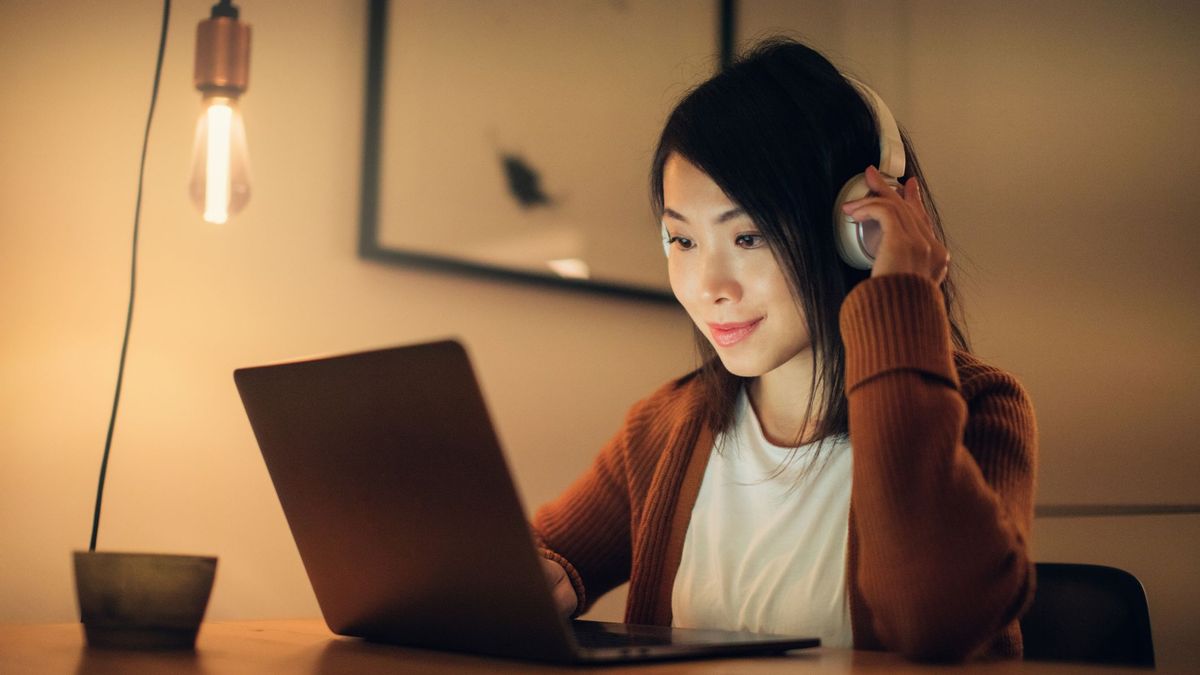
(222, 56)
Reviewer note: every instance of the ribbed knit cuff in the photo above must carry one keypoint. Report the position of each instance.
(572, 574)
(896, 322)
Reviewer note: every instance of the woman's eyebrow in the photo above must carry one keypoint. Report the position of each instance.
(724, 217)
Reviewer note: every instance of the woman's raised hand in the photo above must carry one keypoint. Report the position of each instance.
(908, 244)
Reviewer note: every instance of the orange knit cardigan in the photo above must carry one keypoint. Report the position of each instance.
(941, 504)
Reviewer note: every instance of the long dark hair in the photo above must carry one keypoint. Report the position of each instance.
(780, 131)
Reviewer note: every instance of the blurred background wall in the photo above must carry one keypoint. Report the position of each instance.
(1058, 138)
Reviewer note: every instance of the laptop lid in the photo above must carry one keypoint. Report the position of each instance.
(402, 507)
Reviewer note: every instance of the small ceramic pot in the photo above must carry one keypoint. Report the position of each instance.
(142, 600)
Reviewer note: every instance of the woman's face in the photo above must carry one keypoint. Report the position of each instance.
(724, 275)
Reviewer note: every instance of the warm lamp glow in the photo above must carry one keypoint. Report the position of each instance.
(220, 183)
(216, 165)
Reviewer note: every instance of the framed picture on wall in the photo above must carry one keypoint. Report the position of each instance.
(514, 139)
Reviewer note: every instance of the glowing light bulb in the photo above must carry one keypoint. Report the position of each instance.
(220, 183)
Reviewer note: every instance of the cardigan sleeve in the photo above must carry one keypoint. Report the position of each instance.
(944, 467)
(587, 528)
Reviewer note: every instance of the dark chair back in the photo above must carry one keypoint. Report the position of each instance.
(1088, 613)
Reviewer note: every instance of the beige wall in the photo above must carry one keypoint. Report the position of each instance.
(1034, 130)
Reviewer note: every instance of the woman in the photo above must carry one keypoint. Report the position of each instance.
(840, 465)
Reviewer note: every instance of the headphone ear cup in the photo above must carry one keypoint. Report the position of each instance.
(847, 232)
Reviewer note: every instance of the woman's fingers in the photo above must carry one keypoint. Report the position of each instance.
(912, 194)
(909, 244)
(878, 184)
(883, 192)
(939, 251)
(891, 220)
(913, 197)
(560, 586)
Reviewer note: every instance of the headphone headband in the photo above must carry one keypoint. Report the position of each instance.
(891, 145)
(857, 242)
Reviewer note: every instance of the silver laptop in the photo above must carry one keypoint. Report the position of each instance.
(406, 517)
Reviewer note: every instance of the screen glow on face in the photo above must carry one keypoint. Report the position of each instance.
(726, 277)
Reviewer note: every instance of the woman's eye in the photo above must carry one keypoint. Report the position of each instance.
(749, 240)
(683, 242)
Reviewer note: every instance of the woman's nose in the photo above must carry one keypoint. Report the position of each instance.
(719, 279)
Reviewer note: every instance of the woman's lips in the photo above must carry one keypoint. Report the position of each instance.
(729, 334)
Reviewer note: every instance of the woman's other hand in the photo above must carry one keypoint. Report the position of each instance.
(560, 585)
(909, 245)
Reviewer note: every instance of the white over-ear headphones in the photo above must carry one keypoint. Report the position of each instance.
(857, 242)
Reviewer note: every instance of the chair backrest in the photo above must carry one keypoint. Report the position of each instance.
(1088, 613)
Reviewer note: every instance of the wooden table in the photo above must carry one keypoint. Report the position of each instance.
(307, 646)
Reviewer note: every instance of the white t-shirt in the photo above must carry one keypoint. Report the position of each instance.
(768, 555)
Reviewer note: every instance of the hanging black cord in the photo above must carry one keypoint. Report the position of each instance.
(137, 213)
